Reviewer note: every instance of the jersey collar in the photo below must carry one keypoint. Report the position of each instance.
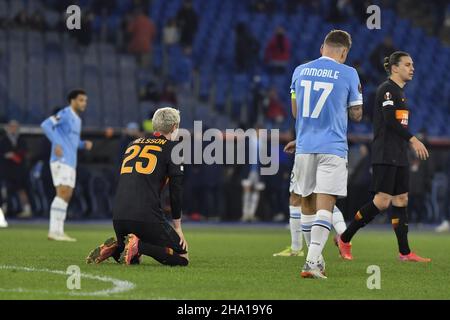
(74, 113)
(395, 83)
(328, 58)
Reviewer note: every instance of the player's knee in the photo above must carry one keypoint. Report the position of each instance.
(65, 193)
(295, 200)
(400, 200)
(308, 205)
(176, 260)
(184, 262)
(384, 205)
(308, 209)
(382, 202)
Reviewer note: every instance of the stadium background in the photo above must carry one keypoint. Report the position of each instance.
(225, 66)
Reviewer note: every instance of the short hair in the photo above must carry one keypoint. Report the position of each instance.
(393, 60)
(74, 94)
(165, 118)
(338, 38)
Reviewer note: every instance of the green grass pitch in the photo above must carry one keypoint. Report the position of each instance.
(226, 263)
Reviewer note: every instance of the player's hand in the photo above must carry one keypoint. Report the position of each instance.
(419, 148)
(88, 145)
(290, 147)
(59, 151)
(183, 242)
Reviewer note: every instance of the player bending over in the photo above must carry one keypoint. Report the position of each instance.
(390, 180)
(139, 222)
(63, 130)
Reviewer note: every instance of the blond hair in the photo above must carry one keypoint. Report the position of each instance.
(165, 118)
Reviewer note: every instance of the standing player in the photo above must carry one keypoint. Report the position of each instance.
(139, 221)
(390, 181)
(299, 227)
(324, 93)
(252, 185)
(63, 130)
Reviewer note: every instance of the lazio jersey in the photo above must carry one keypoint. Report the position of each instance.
(64, 129)
(324, 89)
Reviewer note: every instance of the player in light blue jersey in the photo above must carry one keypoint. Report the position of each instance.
(63, 130)
(325, 92)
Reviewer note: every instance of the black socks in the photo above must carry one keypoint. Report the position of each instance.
(366, 214)
(161, 254)
(399, 220)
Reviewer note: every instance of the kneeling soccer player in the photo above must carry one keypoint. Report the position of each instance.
(139, 222)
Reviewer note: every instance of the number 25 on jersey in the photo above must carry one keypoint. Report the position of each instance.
(143, 153)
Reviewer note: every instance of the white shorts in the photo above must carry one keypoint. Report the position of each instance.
(319, 173)
(62, 174)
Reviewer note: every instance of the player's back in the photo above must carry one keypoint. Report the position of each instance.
(145, 169)
(324, 89)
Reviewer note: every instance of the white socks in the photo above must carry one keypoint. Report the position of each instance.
(307, 222)
(250, 204)
(58, 211)
(338, 221)
(3, 222)
(319, 235)
(246, 204)
(295, 224)
(254, 203)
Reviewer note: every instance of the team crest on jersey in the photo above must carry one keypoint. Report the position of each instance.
(387, 96)
(387, 99)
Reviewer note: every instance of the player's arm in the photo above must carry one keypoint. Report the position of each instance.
(392, 122)
(293, 95)
(290, 147)
(49, 125)
(355, 98)
(176, 197)
(293, 105)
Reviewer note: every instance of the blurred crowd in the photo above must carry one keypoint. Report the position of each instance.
(25, 181)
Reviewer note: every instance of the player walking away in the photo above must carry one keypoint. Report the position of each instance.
(325, 92)
(139, 221)
(390, 181)
(301, 224)
(63, 130)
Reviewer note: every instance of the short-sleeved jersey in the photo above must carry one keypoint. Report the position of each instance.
(324, 89)
(64, 129)
(388, 147)
(146, 167)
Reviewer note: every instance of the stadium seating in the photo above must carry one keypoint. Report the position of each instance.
(37, 68)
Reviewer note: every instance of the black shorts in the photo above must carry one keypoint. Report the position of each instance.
(157, 233)
(389, 179)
